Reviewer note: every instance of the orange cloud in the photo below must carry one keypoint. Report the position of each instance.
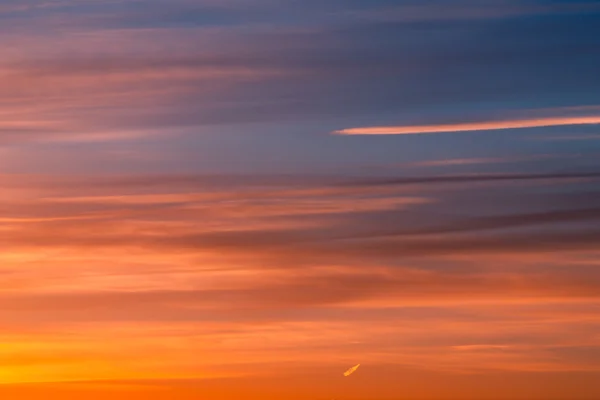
(137, 284)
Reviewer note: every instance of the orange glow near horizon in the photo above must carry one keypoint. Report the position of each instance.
(181, 219)
(140, 303)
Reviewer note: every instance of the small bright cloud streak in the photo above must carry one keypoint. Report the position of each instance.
(470, 127)
(351, 370)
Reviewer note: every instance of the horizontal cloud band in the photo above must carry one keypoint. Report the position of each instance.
(473, 126)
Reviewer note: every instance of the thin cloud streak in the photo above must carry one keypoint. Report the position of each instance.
(471, 127)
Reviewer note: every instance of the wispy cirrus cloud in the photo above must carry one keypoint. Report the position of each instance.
(185, 70)
(175, 224)
(474, 126)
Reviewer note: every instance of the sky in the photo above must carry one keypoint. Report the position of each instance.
(242, 199)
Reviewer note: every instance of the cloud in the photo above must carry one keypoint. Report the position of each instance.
(202, 65)
(473, 178)
(264, 214)
(469, 127)
(120, 281)
(481, 347)
(351, 370)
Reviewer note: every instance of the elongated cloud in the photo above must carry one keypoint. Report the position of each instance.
(351, 370)
(471, 126)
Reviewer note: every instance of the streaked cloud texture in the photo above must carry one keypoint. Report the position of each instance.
(177, 219)
(470, 127)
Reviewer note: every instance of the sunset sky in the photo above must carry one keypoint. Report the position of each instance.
(242, 199)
